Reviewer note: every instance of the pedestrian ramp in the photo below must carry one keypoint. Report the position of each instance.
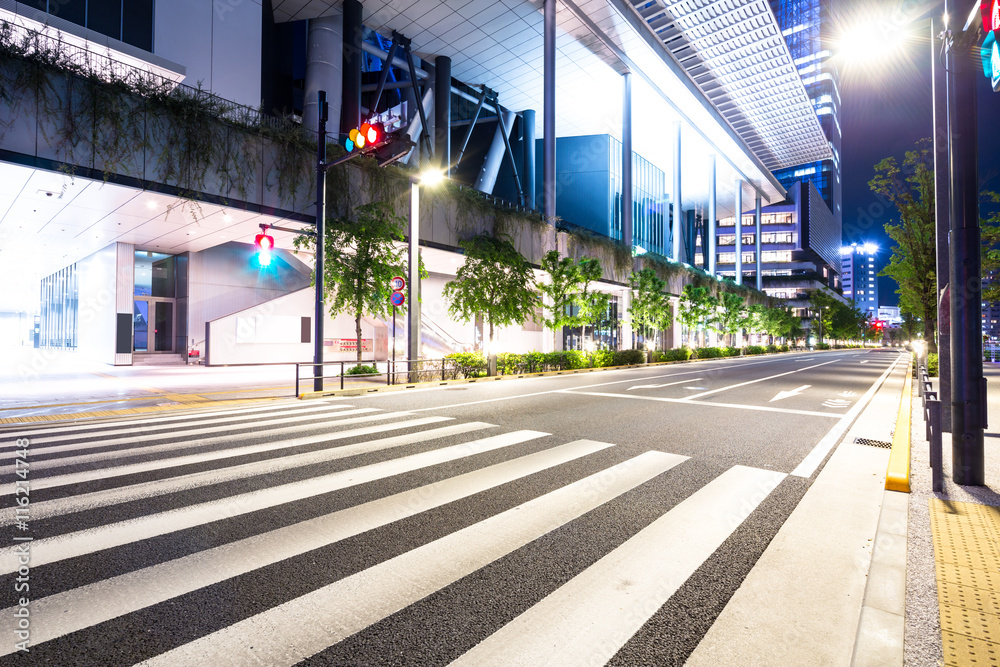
(277, 534)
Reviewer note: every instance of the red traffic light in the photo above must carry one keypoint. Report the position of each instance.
(264, 244)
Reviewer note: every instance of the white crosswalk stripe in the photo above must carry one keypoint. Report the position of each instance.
(171, 531)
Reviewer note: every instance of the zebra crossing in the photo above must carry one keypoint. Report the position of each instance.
(135, 520)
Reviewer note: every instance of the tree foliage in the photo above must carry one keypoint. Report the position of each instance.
(495, 281)
(695, 306)
(990, 226)
(361, 256)
(910, 188)
(592, 303)
(564, 282)
(732, 315)
(650, 307)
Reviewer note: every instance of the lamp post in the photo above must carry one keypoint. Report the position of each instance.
(430, 178)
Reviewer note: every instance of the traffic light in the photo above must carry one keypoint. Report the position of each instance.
(368, 135)
(264, 244)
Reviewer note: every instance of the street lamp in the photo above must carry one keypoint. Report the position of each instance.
(958, 243)
(430, 178)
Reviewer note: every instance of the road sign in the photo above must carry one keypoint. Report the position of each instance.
(397, 299)
(397, 284)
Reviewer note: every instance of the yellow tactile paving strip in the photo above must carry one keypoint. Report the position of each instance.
(183, 402)
(967, 558)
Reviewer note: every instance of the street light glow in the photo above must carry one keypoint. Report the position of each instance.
(872, 41)
(431, 177)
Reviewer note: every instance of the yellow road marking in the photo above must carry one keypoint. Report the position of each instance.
(897, 475)
(135, 411)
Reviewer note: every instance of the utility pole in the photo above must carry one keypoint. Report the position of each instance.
(324, 112)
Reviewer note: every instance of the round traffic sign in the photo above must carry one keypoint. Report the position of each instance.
(397, 299)
(397, 284)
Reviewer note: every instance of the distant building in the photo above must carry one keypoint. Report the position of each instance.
(859, 264)
(890, 315)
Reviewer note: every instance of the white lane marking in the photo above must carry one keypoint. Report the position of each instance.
(70, 545)
(658, 386)
(788, 394)
(847, 394)
(142, 419)
(124, 494)
(124, 594)
(205, 457)
(864, 362)
(770, 377)
(177, 446)
(114, 442)
(279, 637)
(588, 619)
(707, 404)
(836, 403)
(823, 447)
(589, 386)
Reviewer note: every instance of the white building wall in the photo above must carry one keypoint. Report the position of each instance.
(218, 42)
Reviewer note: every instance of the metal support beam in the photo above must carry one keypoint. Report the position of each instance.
(968, 396)
(468, 132)
(528, 155)
(494, 155)
(739, 231)
(383, 76)
(549, 110)
(942, 206)
(757, 248)
(425, 138)
(351, 97)
(505, 133)
(627, 159)
(442, 111)
(713, 214)
(675, 197)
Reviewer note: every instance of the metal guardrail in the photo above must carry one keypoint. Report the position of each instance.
(417, 370)
(932, 421)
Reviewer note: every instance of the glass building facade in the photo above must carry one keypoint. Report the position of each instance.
(60, 309)
(806, 26)
(649, 200)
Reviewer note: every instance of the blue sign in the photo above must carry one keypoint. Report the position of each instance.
(397, 299)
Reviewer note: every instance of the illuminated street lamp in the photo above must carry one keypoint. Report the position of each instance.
(429, 178)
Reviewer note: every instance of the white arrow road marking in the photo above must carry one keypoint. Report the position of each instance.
(657, 386)
(786, 394)
(865, 361)
(836, 403)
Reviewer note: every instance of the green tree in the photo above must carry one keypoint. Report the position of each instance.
(495, 281)
(731, 316)
(824, 304)
(695, 306)
(910, 189)
(563, 284)
(990, 227)
(361, 256)
(592, 304)
(650, 307)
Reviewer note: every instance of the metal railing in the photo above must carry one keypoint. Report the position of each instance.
(932, 421)
(418, 370)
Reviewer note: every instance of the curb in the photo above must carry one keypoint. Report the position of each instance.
(360, 391)
(897, 475)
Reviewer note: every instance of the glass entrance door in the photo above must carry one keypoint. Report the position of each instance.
(153, 325)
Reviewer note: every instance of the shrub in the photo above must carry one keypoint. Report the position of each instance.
(469, 364)
(772, 348)
(731, 352)
(756, 349)
(361, 369)
(822, 346)
(566, 360)
(629, 357)
(534, 361)
(709, 352)
(784, 348)
(932, 364)
(601, 358)
(679, 354)
(511, 363)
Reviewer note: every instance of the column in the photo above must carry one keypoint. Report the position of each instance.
(712, 216)
(413, 277)
(627, 159)
(739, 232)
(756, 226)
(324, 68)
(494, 156)
(942, 203)
(351, 96)
(675, 196)
(442, 111)
(528, 155)
(549, 111)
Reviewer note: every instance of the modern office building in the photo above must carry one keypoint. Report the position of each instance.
(807, 26)
(140, 253)
(860, 269)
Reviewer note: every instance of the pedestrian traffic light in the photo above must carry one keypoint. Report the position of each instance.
(264, 243)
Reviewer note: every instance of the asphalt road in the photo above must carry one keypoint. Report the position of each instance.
(600, 518)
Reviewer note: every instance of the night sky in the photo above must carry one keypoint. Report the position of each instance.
(884, 113)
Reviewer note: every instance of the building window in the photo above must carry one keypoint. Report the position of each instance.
(129, 21)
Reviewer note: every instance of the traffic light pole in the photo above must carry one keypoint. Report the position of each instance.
(968, 391)
(321, 167)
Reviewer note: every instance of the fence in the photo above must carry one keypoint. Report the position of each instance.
(932, 421)
(418, 370)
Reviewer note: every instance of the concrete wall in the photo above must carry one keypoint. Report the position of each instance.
(97, 278)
